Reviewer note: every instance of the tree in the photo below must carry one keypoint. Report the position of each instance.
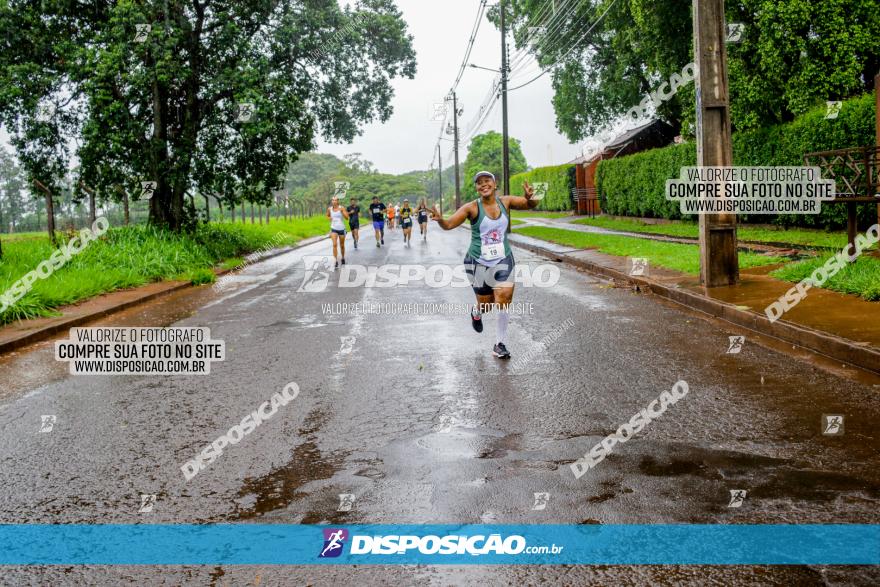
(356, 163)
(366, 185)
(793, 55)
(429, 181)
(485, 153)
(12, 186)
(215, 97)
(309, 168)
(631, 48)
(796, 54)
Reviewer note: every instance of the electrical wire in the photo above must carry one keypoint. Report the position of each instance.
(573, 47)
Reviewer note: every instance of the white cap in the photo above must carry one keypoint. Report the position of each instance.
(484, 174)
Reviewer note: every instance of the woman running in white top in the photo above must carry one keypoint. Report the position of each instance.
(337, 215)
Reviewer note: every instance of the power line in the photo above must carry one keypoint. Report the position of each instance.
(573, 47)
(553, 46)
(473, 37)
(556, 21)
(488, 102)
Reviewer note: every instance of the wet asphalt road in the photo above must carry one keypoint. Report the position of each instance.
(414, 417)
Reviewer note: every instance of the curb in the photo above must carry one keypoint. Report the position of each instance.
(774, 244)
(824, 343)
(742, 245)
(50, 330)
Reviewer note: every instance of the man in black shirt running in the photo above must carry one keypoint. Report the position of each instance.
(354, 222)
(377, 209)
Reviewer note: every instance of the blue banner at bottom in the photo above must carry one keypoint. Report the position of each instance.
(277, 544)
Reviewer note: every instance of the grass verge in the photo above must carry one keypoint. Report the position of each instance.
(861, 278)
(679, 257)
(136, 255)
(537, 214)
(801, 236)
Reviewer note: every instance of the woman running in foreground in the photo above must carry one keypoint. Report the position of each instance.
(489, 261)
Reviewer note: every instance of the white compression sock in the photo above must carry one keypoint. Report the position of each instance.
(503, 319)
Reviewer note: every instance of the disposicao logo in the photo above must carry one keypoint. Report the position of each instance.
(334, 540)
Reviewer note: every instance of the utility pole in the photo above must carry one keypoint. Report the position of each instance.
(506, 149)
(719, 263)
(440, 175)
(455, 143)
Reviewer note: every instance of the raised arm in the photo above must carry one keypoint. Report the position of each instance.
(469, 210)
(520, 203)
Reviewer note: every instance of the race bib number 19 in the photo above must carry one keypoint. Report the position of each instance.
(492, 251)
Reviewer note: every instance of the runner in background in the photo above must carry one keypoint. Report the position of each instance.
(377, 210)
(406, 221)
(489, 260)
(337, 215)
(390, 208)
(354, 221)
(423, 218)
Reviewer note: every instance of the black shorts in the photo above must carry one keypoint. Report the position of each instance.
(406, 223)
(423, 220)
(339, 232)
(354, 225)
(484, 278)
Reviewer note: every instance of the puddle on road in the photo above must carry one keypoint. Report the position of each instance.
(467, 443)
(281, 487)
(767, 480)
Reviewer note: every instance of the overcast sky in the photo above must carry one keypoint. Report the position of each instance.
(441, 30)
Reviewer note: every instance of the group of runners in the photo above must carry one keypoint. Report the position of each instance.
(489, 261)
(382, 215)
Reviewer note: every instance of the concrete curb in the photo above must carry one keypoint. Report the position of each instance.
(61, 324)
(830, 345)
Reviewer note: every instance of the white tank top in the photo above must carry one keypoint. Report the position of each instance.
(336, 222)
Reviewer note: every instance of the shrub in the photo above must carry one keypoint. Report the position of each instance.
(635, 185)
(561, 182)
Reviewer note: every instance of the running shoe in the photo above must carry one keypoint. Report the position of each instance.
(337, 265)
(501, 351)
(377, 244)
(383, 240)
(477, 322)
(355, 245)
(343, 260)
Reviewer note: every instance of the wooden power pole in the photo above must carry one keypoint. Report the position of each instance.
(455, 143)
(719, 264)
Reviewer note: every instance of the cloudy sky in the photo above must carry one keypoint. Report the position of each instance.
(441, 30)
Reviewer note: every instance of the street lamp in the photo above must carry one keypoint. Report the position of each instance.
(475, 66)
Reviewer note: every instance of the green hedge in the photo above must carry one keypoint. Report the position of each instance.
(560, 178)
(635, 185)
